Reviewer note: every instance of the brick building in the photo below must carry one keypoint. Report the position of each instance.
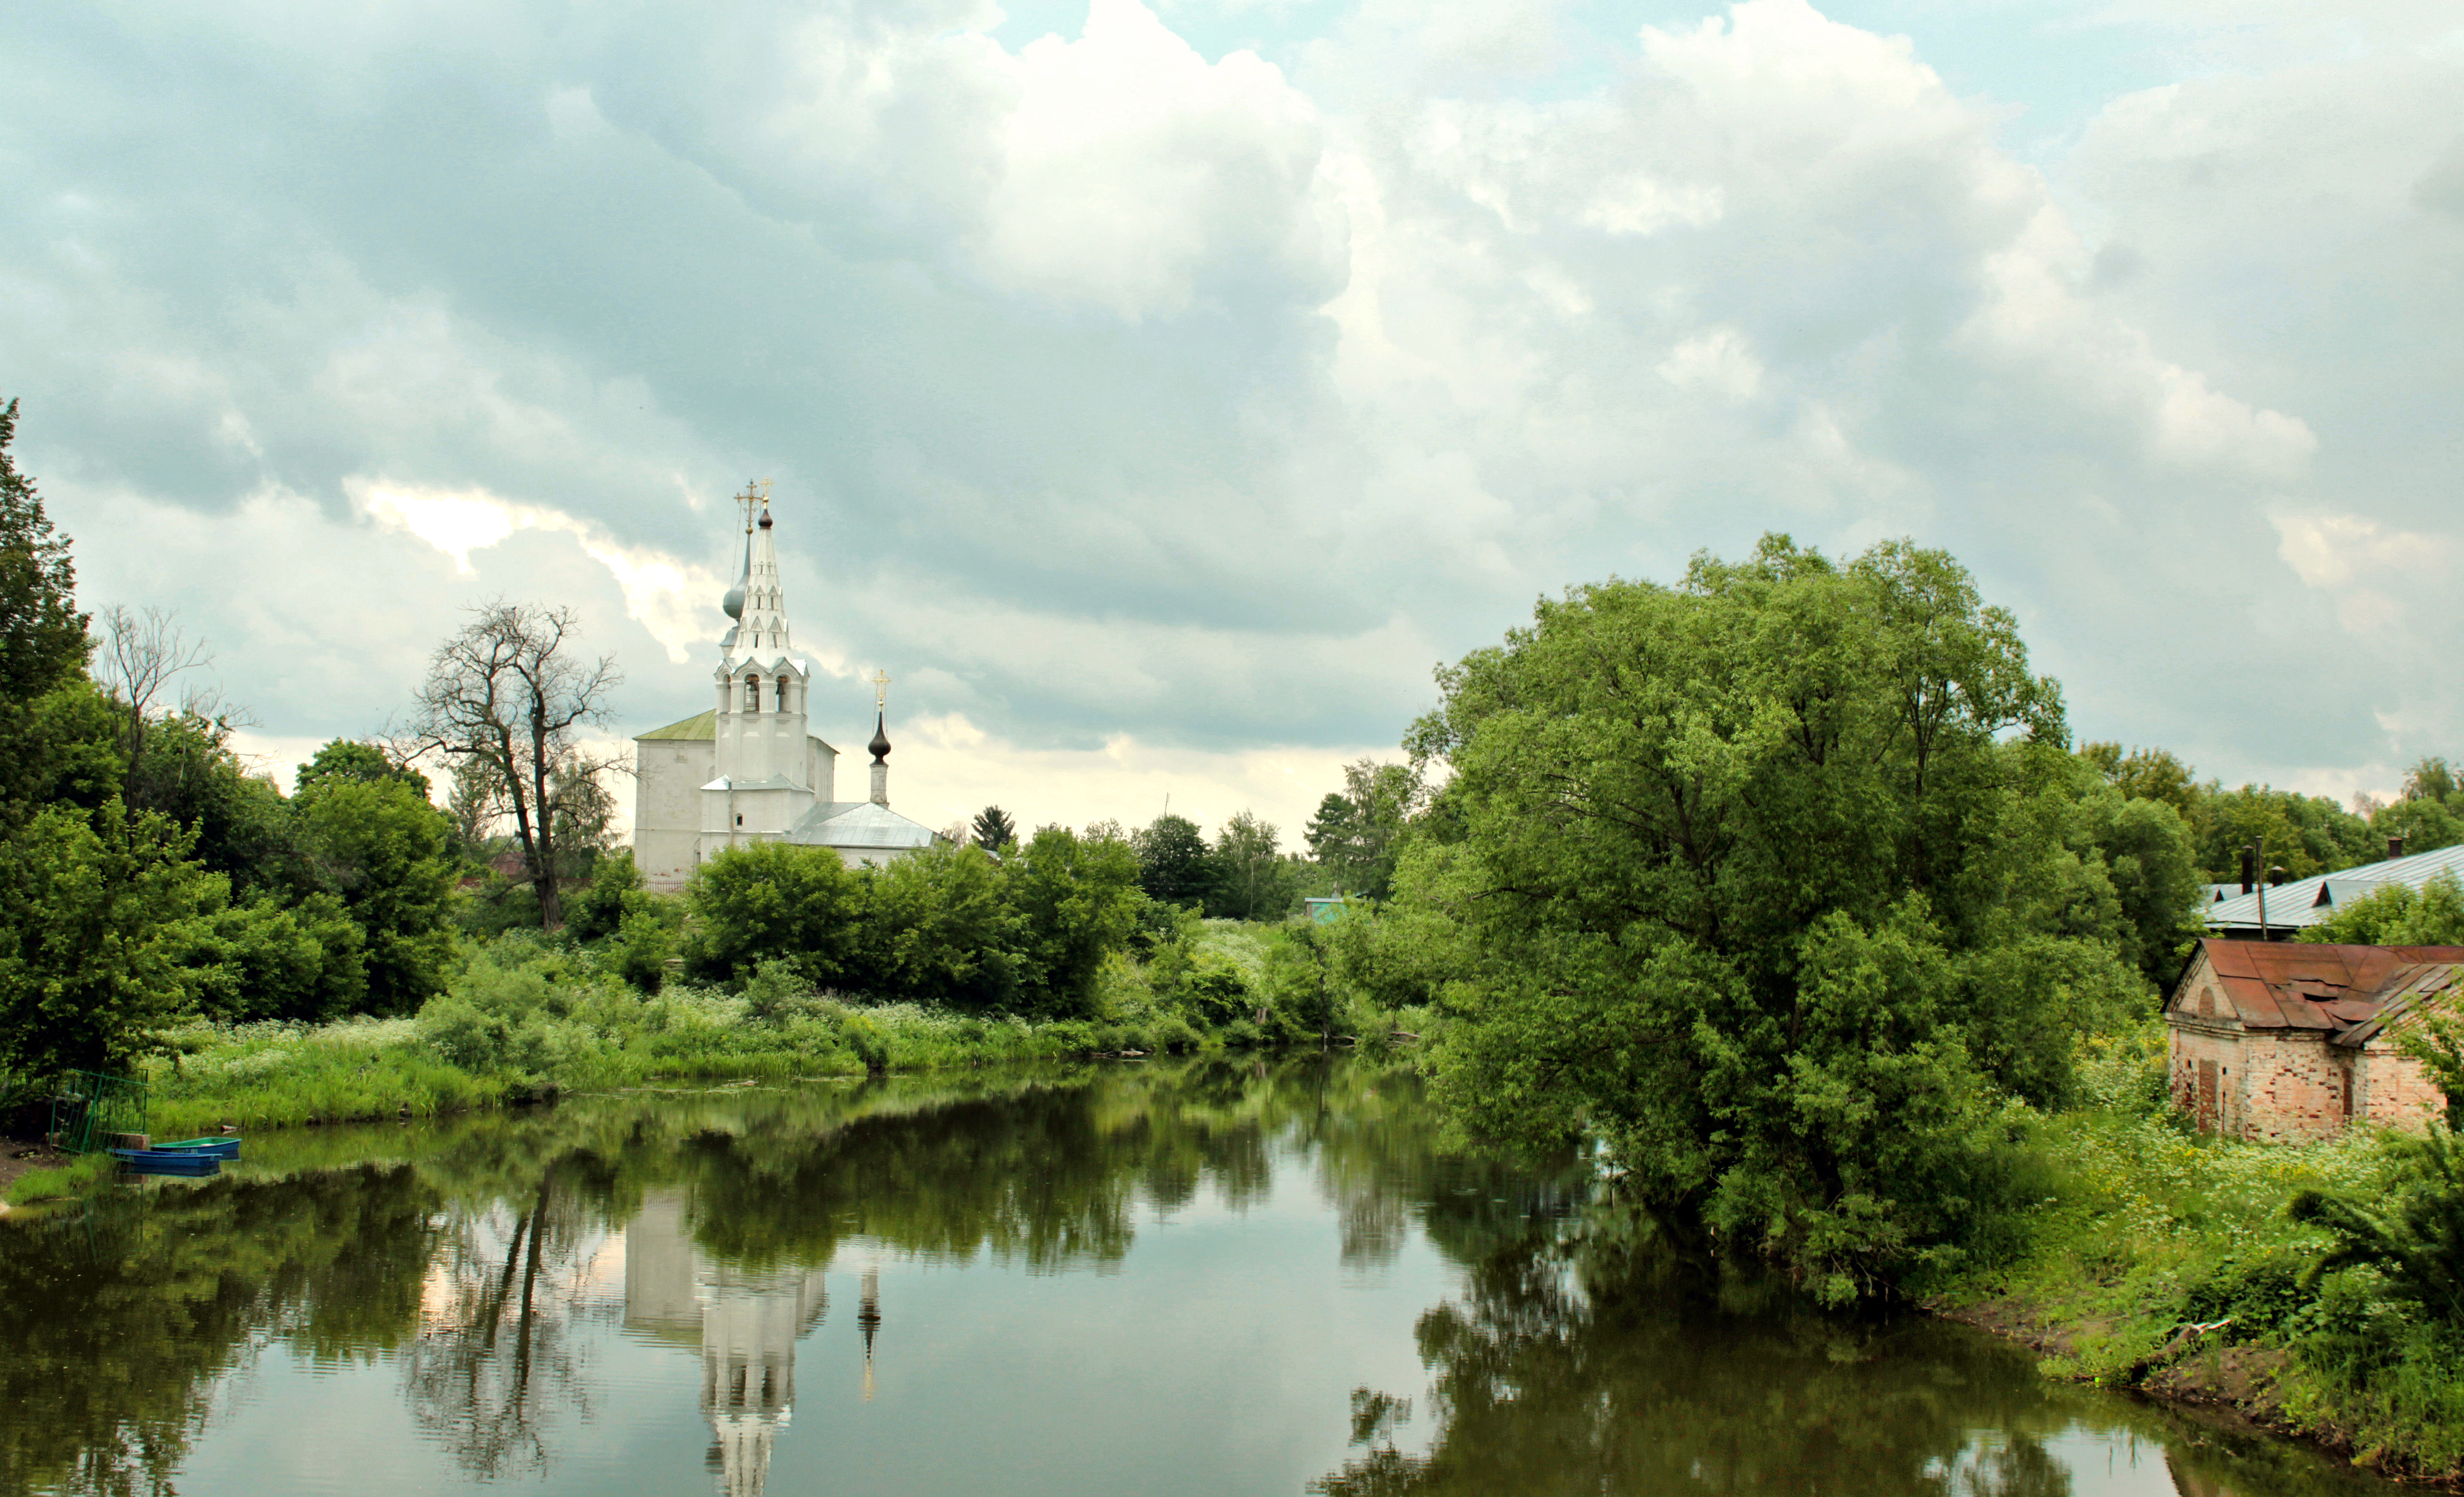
(2286, 1043)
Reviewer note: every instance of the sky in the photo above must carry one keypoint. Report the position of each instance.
(1160, 393)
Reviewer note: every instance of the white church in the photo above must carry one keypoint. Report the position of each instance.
(748, 770)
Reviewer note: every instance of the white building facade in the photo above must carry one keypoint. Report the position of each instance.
(751, 769)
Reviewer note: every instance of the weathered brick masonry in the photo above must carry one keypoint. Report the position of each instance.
(2286, 1043)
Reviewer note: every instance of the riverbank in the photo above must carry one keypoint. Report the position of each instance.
(2163, 1262)
(526, 1019)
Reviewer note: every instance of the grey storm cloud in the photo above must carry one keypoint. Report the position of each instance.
(1111, 389)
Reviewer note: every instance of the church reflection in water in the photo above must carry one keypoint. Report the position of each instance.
(746, 1323)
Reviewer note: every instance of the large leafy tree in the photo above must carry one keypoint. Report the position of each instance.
(42, 634)
(1357, 833)
(103, 921)
(1767, 882)
(1075, 900)
(1251, 881)
(771, 900)
(386, 852)
(1173, 867)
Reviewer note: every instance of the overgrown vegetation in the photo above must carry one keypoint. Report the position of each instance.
(2314, 1285)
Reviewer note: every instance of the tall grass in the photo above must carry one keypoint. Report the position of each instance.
(68, 1180)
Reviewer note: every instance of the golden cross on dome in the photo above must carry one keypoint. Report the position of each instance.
(755, 499)
(880, 691)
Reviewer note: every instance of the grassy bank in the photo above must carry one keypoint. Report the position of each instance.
(2165, 1261)
(527, 1017)
(57, 1182)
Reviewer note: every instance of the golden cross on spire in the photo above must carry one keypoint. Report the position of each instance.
(880, 691)
(755, 499)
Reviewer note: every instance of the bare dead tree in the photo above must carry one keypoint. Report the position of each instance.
(506, 692)
(137, 659)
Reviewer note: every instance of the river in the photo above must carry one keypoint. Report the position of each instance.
(1208, 1277)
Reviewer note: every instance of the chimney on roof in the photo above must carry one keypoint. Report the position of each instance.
(2277, 876)
(2396, 848)
(2250, 867)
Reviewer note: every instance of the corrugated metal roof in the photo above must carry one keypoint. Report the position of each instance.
(859, 823)
(2308, 901)
(2350, 992)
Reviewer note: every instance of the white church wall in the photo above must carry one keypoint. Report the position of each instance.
(667, 808)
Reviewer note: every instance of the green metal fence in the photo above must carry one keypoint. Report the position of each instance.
(90, 1112)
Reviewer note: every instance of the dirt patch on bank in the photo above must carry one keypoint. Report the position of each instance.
(23, 1156)
(2238, 1388)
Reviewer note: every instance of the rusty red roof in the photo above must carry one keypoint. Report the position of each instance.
(2351, 993)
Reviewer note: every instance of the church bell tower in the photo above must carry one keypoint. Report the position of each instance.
(766, 769)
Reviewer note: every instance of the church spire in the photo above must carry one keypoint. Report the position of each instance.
(762, 626)
(880, 744)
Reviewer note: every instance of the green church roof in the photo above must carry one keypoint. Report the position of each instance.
(704, 728)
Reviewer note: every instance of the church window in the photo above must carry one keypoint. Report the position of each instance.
(783, 693)
(752, 694)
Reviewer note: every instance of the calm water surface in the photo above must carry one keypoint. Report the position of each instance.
(1210, 1278)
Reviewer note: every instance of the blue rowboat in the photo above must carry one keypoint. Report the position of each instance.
(167, 1161)
(218, 1147)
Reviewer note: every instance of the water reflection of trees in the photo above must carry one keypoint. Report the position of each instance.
(1616, 1368)
(463, 1254)
(495, 1362)
(119, 1318)
(465, 1259)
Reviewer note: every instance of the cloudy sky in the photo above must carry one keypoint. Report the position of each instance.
(1158, 391)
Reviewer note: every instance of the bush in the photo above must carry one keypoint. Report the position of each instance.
(1213, 991)
(305, 962)
(2417, 1240)
(597, 908)
(770, 901)
(642, 945)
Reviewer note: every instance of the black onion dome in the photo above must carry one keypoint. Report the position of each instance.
(880, 744)
(765, 520)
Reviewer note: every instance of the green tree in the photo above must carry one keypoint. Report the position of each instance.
(354, 762)
(2143, 850)
(42, 634)
(1247, 879)
(2432, 780)
(1076, 901)
(102, 921)
(382, 849)
(585, 817)
(615, 890)
(1357, 833)
(475, 805)
(2146, 774)
(2304, 834)
(1733, 857)
(993, 828)
(244, 828)
(940, 928)
(771, 901)
(305, 962)
(1172, 861)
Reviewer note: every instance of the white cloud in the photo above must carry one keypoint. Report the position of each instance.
(2333, 550)
(2371, 569)
(672, 598)
(1125, 396)
(1720, 361)
(945, 768)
